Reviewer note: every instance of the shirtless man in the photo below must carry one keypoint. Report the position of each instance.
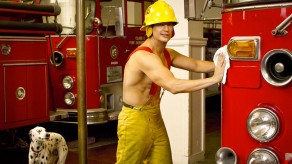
(141, 130)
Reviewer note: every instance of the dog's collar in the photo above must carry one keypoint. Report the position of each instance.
(36, 152)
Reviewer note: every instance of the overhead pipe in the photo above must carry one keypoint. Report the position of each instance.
(35, 9)
(30, 28)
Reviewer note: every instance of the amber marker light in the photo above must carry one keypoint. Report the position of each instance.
(244, 48)
(71, 52)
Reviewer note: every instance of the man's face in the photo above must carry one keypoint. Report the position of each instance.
(163, 31)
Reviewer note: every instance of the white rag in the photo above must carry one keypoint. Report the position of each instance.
(222, 50)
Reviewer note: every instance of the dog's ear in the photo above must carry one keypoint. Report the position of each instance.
(29, 134)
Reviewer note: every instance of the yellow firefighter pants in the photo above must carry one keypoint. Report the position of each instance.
(142, 137)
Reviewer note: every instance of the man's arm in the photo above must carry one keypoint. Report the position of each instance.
(152, 66)
(187, 63)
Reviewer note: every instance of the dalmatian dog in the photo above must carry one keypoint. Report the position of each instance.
(46, 147)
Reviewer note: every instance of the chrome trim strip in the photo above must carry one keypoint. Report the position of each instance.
(23, 64)
(23, 38)
(26, 61)
(256, 7)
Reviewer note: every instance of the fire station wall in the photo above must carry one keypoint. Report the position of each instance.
(184, 114)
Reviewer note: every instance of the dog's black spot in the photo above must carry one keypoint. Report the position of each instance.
(39, 131)
(38, 148)
(31, 156)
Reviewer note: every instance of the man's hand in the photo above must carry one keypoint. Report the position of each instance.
(219, 68)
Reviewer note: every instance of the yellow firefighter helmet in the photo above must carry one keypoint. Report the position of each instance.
(159, 12)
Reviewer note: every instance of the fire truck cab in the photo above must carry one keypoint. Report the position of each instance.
(110, 37)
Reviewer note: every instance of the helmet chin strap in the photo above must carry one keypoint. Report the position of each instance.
(149, 31)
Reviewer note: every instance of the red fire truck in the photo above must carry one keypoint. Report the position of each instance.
(110, 37)
(38, 61)
(24, 91)
(256, 100)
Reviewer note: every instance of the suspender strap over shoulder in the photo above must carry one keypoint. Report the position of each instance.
(168, 60)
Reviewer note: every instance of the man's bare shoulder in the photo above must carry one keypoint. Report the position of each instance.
(140, 54)
(172, 52)
(136, 63)
(143, 59)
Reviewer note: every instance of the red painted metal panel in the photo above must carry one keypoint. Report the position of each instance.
(247, 77)
(98, 63)
(15, 109)
(25, 73)
(37, 91)
(246, 89)
(33, 80)
(35, 49)
(69, 67)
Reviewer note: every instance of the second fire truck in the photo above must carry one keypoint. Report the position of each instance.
(38, 59)
(111, 35)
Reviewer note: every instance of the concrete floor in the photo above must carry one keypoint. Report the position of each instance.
(102, 139)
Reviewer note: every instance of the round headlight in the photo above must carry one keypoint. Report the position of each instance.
(262, 155)
(67, 82)
(69, 98)
(263, 124)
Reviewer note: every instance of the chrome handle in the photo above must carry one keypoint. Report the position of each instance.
(5, 49)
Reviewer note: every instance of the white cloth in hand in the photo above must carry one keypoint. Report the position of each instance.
(222, 50)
